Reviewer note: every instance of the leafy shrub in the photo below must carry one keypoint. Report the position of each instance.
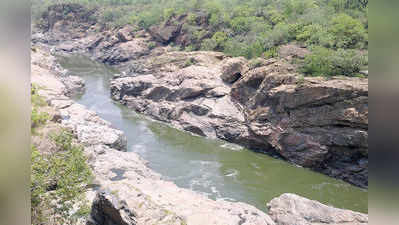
(61, 177)
(220, 39)
(308, 31)
(274, 17)
(189, 62)
(347, 62)
(38, 117)
(209, 44)
(348, 32)
(326, 62)
(111, 14)
(235, 48)
(318, 63)
(279, 35)
(189, 48)
(315, 34)
(151, 45)
(240, 24)
(192, 19)
(148, 18)
(168, 12)
(271, 53)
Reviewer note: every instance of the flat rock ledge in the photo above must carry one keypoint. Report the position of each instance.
(291, 209)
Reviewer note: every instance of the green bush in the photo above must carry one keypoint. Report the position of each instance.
(274, 16)
(271, 53)
(220, 39)
(348, 32)
(279, 35)
(38, 117)
(189, 62)
(326, 62)
(151, 45)
(168, 12)
(209, 44)
(59, 176)
(240, 24)
(192, 19)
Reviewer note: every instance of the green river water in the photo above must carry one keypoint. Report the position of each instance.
(215, 168)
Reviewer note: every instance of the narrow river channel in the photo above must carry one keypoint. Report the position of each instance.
(213, 167)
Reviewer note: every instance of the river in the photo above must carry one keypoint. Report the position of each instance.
(213, 167)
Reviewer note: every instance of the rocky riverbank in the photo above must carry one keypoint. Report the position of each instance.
(128, 192)
(264, 105)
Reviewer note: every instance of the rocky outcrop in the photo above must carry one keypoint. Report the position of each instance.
(289, 209)
(166, 32)
(192, 98)
(74, 85)
(107, 209)
(233, 69)
(313, 122)
(71, 28)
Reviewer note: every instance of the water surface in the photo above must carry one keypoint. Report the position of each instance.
(213, 167)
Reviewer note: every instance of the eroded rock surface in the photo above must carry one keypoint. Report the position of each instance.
(107, 209)
(291, 209)
(313, 122)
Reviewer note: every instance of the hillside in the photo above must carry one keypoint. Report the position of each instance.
(335, 30)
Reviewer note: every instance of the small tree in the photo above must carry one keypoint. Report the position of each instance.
(348, 32)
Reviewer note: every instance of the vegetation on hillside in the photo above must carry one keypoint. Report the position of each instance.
(58, 176)
(250, 28)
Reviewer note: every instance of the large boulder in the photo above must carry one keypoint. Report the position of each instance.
(233, 69)
(291, 209)
(107, 209)
(292, 51)
(90, 129)
(165, 33)
(74, 85)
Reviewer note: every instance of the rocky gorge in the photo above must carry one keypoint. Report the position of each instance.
(268, 107)
(142, 196)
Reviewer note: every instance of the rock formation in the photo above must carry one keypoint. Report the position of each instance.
(291, 209)
(313, 122)
(107, 209)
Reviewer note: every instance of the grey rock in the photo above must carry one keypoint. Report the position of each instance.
(291, 209)
(233, 69)
(74, 85)
(107, 209)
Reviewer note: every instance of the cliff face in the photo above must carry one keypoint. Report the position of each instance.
(313, 122)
